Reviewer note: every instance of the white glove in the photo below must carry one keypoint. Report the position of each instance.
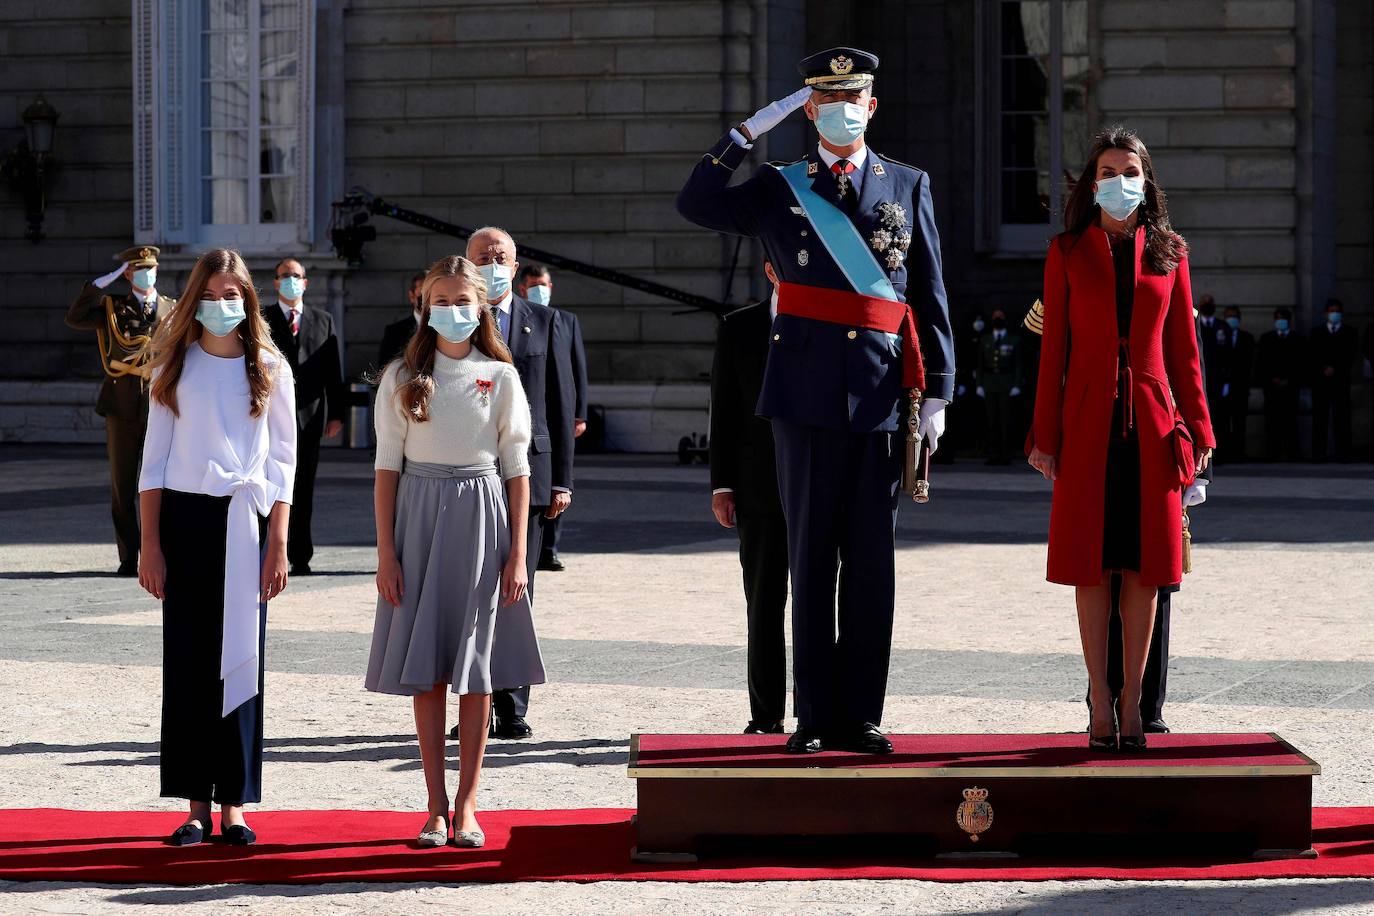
(102, 282)
(961, 391)
(770, 116)
(1226, 390)
(980, 392)
(1015, 391)
(1195, 495)
(930, 422)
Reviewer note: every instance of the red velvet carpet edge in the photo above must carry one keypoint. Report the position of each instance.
(316, 847)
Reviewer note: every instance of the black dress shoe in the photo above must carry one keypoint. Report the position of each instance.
(515, 728)
(127, 569)
(551, 562)
(238, 835)
(1156, 727)
(189, 835)
(763, 728)
(805, 741)
(300, 569)
(866, 739)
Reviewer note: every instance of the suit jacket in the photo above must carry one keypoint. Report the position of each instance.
(1337, 350)
(741, 443)
(124, 397)
(541, 346)
(313, 355)
(1078, 385)
(1282, 358)
(822, 373)
(1000, 368)
(577, 354)
(394, 339)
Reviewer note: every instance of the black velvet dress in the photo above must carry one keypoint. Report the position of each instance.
(1121, 510)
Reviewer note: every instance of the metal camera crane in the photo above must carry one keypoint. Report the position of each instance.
(349, 230)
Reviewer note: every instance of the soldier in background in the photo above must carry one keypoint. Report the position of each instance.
(999, 377)
(1333, 347)
(123, 325)
(967, 408)
(1228, 381)
(1279, 359)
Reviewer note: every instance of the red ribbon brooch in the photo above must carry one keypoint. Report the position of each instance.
(484, 386)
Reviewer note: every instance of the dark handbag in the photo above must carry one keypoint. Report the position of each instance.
(1185, 452)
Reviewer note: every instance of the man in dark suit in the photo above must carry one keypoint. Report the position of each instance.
(1333, 348)
(744, 494)
(540, 346)
(1279, 363)
(534, 284)
(123, 326)
(999, 376)
(397, 334)
(1228, 384)
(305, 335)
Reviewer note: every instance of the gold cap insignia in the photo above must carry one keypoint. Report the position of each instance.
(145, 253)
(840, 66)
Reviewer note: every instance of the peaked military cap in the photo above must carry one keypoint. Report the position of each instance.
(839, 68)
(140, 256)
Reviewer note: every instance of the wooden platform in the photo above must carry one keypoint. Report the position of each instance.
(979, 795)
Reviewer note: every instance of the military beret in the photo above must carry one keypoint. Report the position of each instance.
(140, 256)
(839, 68)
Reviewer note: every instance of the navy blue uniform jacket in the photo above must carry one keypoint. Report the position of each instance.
(817, 374)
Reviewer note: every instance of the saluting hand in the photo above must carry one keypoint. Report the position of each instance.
(771, 115)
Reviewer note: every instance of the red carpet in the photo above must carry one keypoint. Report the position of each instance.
(313, 847)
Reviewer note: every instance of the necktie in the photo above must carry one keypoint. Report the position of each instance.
(842, 168)
(295, 322)
(503, 324)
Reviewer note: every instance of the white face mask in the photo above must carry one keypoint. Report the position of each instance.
(841, 123)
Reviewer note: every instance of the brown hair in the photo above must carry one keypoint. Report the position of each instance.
(1163, 246)
(182, 329)
(417, 362)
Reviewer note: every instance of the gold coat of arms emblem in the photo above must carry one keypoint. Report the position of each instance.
(975, 813)
(840, 66)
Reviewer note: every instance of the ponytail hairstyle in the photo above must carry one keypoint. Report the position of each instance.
(181, 329)
(1163, 246)
(415, 381)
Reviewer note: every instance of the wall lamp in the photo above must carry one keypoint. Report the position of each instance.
(30, 165)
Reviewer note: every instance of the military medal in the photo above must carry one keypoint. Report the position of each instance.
(903, 240)
(484, 389)
(803, 258)
(892, 214)
(844, 183)
(894, 258)
(881, 240)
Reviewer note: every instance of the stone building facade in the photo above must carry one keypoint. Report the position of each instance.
(573, 123)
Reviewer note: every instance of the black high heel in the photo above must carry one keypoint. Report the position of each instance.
(1102, 742)
(1131, 744)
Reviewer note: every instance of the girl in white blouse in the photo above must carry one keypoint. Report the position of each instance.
(452, 424)
(219, 455)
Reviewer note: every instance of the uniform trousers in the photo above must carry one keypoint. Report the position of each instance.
(299, 546)
(1001, 424)
(839, 496)
(204, 756)
(549, 532)
(506, 704)
(763, 559)
(1331, 410)
(124, 445)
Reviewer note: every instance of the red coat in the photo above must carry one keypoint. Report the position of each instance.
(1073, 405)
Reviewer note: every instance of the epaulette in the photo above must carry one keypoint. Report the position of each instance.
(1035, 319)
(895, 161)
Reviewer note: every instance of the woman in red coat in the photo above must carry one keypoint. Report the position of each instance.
(1121, 423)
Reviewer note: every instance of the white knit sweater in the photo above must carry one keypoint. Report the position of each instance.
(465, 428)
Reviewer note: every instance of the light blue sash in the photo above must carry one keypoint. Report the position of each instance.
(839, 236)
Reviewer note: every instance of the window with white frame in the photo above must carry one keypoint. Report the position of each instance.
(1033, 118)
(223, 122)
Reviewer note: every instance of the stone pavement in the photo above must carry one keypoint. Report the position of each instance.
(644, 632)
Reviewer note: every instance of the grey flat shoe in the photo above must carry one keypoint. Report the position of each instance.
(433, 839)
(469, 839)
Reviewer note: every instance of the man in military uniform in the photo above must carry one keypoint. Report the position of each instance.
(852, 238)
(123, 326)
(999, 377)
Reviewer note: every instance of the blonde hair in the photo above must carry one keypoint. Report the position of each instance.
(415, 381)
(181, 329)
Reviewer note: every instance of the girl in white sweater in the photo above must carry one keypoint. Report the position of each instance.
(452, 423)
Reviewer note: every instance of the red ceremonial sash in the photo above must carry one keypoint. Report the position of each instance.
(839, 306)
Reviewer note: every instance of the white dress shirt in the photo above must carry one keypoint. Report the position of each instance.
(858, 160)
(213, 445)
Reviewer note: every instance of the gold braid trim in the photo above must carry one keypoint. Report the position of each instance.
(138, 345)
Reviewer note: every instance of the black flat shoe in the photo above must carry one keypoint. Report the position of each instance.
(514, 729)
(551, 562)
(1156, 727)
(239, 835)
(866, 739)
(805, 741)
(190, 835)
(763, 728)
(127, 570)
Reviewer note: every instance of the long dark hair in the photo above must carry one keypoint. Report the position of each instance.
(416, 383)
(1163, 246)
(182, 329)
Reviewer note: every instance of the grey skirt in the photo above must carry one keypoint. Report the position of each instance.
(452, 540)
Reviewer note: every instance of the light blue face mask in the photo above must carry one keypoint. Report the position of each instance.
(1234, 322)
(1280, 324)
(1333, 319)
(145, 277)
(539, 295)
(498, 278)
(454, 323)
(841, 123)
(291, 288)
(220, 316)
(1120, 195)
